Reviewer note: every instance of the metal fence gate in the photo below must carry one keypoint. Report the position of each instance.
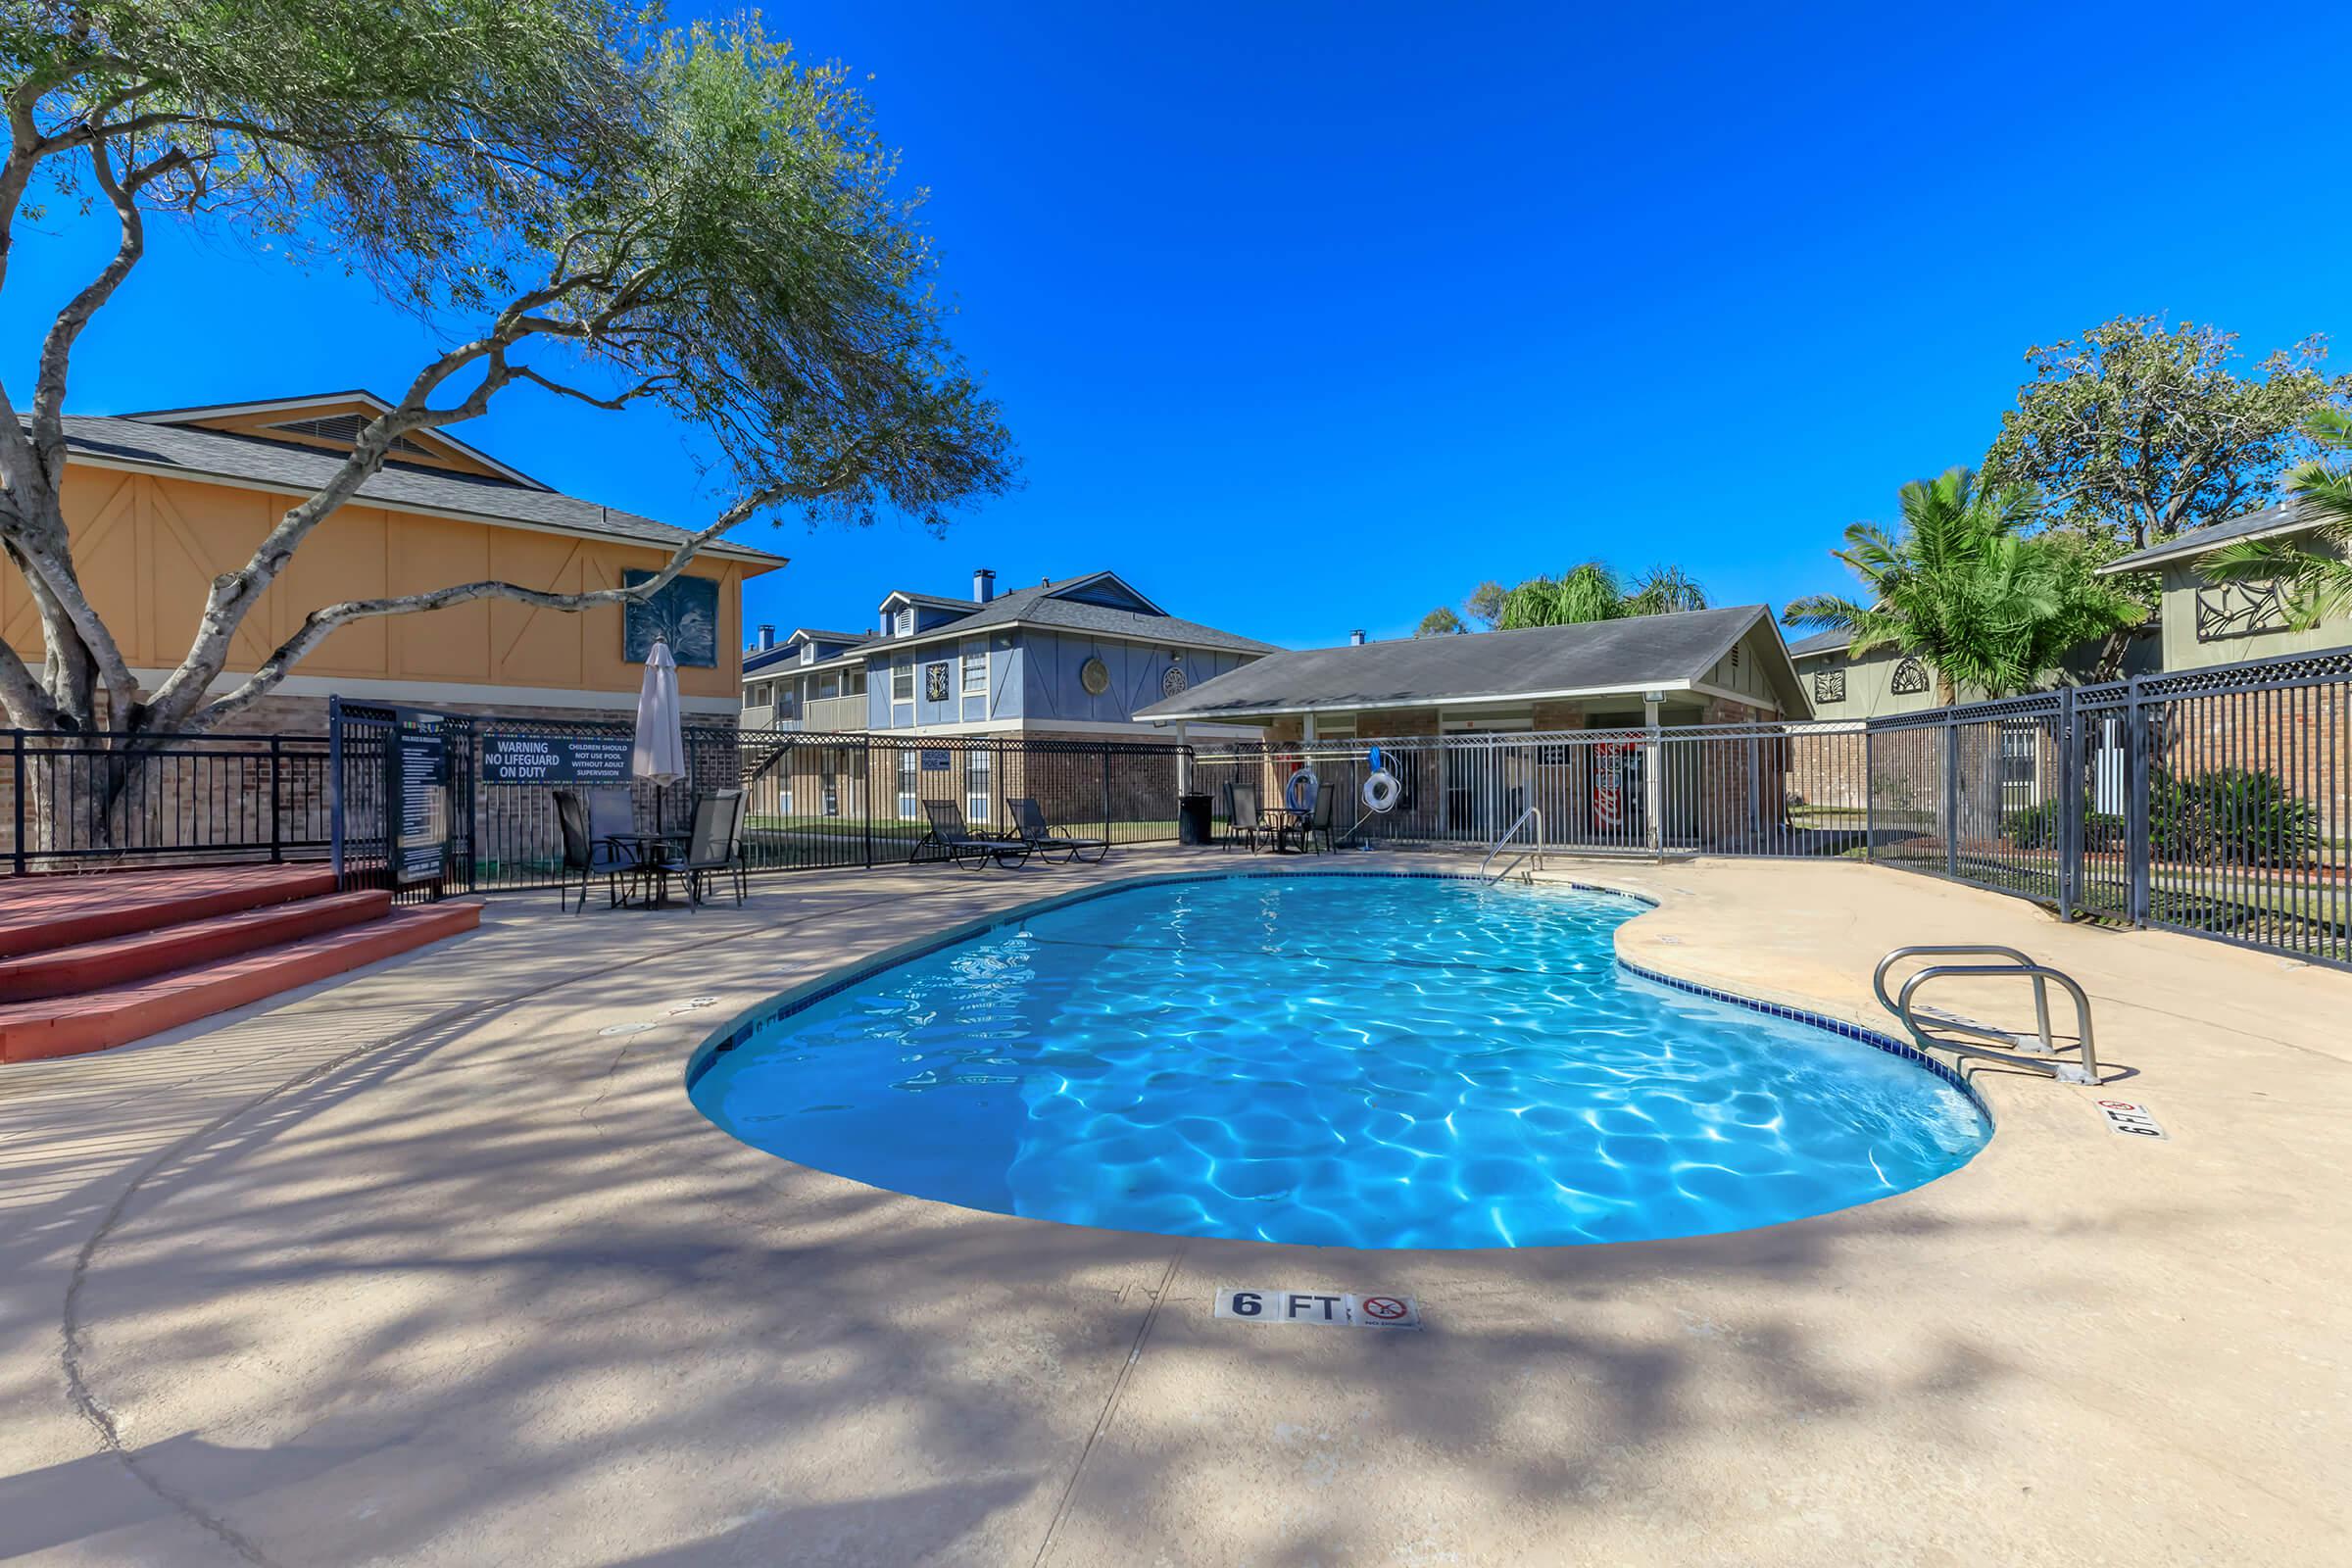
(816, 800)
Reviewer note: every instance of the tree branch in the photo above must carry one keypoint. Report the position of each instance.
(321, 623)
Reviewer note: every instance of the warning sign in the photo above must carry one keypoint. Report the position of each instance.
(1331, 1310)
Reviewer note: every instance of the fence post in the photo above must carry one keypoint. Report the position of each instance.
(1106, 792)
(1870, 796)
(866, 815)
(334, 787)
(278, 836)
(1951, 794)
(2138, 832)
(2070, 806)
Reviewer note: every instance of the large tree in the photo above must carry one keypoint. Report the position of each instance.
(1968, 589)
(690, 219)
(2137, 430)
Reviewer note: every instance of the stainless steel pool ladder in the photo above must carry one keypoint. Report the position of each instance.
(1535, 846)
(2042, 1052)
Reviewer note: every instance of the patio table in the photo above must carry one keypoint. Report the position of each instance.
(649, 867)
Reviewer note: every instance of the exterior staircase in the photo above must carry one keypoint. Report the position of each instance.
(99, 960)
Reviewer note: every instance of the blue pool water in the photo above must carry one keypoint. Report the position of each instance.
(1360, 1061)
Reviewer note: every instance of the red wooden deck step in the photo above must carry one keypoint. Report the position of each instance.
(38, 914)
(120, 961)
(61, 1026)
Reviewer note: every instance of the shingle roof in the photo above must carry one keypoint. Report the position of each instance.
(816, 636)
(1629, 655)
(1036, 605)
(790, 653)
(2288, 516)
(200, 453)
(1821, 642)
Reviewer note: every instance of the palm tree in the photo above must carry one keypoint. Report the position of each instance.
(1595, 592)
(2317, 585)
(1966, 591)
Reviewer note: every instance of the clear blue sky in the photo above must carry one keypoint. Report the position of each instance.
(1309, 322)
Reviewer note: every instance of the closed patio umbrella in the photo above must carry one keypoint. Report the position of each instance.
(660, 751)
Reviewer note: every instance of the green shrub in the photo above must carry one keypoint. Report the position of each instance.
(2228, 816)
(2036, 828)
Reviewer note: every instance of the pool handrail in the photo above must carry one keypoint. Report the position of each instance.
(2086, 1071)
(1535, 845)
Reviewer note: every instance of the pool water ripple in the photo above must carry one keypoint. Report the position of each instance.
(1360, 1061)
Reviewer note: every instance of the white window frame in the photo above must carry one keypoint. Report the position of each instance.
(903, 623)
(979, 785)
(902, 681)
(971, 653)
(807, 652)
(911, 783)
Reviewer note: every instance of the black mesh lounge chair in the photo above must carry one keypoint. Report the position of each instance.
(954, 838)
(1029, 822)
(588, 854)
(1245, 823)
(1318, 817)
(715, 848)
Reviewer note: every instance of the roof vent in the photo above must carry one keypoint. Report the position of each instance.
(344, 430)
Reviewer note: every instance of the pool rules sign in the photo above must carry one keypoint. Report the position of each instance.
(1327, 1308)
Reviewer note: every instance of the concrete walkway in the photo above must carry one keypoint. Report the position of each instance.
(425, 1267)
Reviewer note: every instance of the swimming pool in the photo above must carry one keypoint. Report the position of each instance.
(1378, 1062)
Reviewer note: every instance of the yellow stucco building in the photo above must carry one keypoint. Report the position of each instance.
(161, 502)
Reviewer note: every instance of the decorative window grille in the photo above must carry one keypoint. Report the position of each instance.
(1910, 677)
(1828, 685)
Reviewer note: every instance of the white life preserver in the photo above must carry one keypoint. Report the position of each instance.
(1299, 793)
(1381, 791)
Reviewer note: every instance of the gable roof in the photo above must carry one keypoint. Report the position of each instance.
(1637, 654)
(1821, 642)
(1044, 605)
(811, 635)
(146, 445)
(200, 413)
(2288, 517)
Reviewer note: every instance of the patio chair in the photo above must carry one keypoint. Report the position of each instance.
(714, 846)
(588, 853)
(1244, 822)
(1030, 824)
(1318, 817)
(950, 835)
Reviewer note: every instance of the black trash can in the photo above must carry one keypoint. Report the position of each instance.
(1192, 819)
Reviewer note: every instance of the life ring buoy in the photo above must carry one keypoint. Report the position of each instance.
(1381, 791)
(1299, 793)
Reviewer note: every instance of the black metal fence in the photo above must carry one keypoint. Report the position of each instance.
(815, 800)
(80, 801)
(1734, 789)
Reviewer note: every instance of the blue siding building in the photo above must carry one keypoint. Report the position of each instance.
(1071, 659)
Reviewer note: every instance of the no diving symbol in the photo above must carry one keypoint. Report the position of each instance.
(1384, 1309)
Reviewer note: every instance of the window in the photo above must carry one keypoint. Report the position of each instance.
(828, 686)
(807, 652)
(909, 783)
(1910, 678)
(902, 683)
(756, 697)
(975, 670)
(976, 787)
(1828, 685)
(935, 682)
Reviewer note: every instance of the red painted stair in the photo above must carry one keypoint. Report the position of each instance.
(87, 962)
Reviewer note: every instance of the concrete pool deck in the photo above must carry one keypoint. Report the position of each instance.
(425, 1267)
